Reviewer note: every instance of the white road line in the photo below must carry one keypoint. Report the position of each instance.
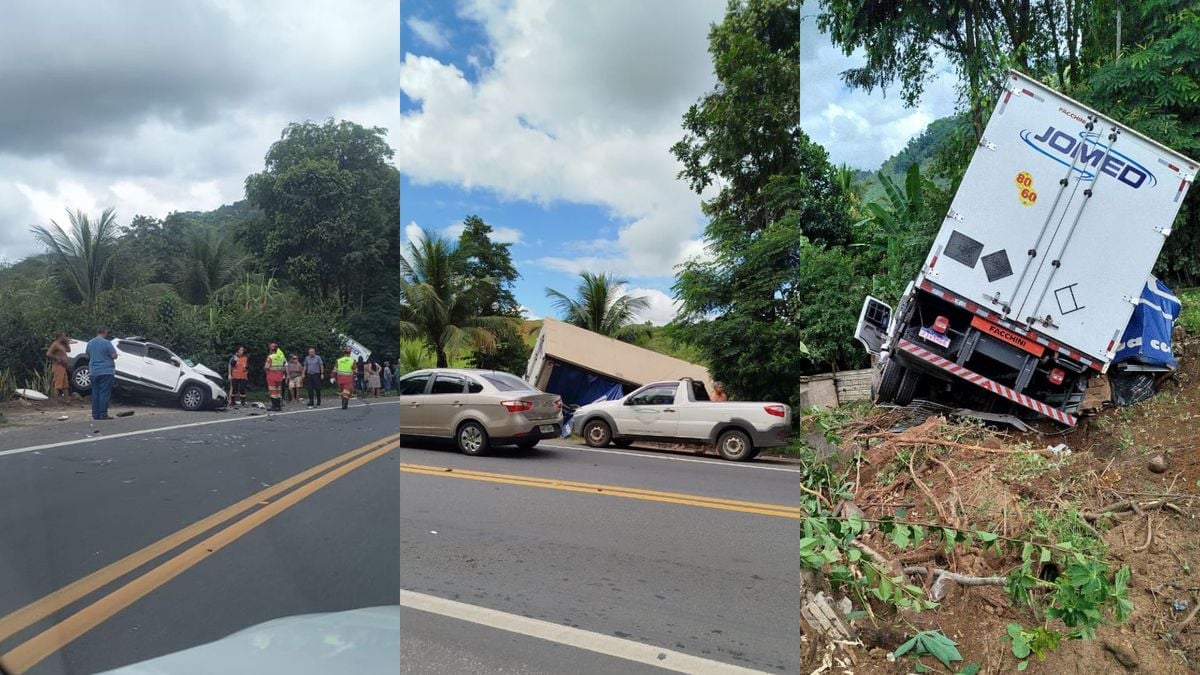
(124, 434)
(651, 455)
(628, 650)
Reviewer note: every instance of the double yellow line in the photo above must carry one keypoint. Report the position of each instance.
(759, 508)
(262, 505)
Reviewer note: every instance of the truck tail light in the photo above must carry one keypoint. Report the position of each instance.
(517, 406)
(1056, 376)
(776, 410)
(940, 325)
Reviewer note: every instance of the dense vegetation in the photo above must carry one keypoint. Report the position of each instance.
(303, 258)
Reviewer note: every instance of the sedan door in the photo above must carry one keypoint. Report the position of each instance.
(161, 369)
(445, 401)
(650, 412)
(412, 399)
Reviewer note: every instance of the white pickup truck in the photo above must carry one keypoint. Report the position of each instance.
(680, 411)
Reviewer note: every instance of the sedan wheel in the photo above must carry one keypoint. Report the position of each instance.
(472, 439)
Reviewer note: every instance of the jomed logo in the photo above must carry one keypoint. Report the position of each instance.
(1088, 155)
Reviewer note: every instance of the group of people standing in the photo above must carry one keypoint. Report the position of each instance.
(286, 376)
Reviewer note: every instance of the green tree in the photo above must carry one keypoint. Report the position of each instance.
(1154, 87)
(779, 195)
(212, 262)
(981, 38)
(601, 307)
(896, 231)
(82, 255)
(492, 260)
(330, 206)
(438, 300)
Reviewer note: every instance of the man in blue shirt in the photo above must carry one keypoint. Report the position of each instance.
(102, 368)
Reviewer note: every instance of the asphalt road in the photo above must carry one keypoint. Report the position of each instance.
(129, 544)
(692, 557)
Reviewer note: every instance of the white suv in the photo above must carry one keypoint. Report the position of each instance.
(151, 370)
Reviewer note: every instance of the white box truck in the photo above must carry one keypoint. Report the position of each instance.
(1038, 265)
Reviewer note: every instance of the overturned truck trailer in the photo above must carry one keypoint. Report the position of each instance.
(582, 367)
(1045, 252)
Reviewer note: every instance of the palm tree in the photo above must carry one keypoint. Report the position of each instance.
(211, 264)
(847, 183)
(601, 307)
(899, 226)
(437, 300)
(83, 255)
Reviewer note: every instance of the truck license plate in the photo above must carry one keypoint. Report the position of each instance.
(930, 336)
(546, 428)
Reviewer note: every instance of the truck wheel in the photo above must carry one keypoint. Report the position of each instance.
(735, 446)
(81, 379)
(596, 433)
(622, 442)
(472, 439)
(193, 397)
(889, 382)
(908, 387)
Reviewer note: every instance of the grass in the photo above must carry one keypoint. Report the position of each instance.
(1025, 465)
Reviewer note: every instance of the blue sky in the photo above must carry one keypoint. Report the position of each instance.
(552, 121)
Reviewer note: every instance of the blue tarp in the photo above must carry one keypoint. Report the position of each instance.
(1147, 339)
(578, 387)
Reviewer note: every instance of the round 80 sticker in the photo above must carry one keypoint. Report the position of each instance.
(1025, 191)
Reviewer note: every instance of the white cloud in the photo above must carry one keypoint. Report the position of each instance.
(181, 103)
(429, 32)
(562, 116)
(858, 128)
(529, 314)
(413, 234)
(663, 307)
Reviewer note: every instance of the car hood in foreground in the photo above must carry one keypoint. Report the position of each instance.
(357, 641)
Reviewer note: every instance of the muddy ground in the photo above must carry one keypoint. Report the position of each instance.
(1008, 484)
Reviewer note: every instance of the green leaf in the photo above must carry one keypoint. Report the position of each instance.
(970, 669)
(919, 667)
(906, 647)
(1022, 665)
(1045, 557)
(986, 537)
(900, 536)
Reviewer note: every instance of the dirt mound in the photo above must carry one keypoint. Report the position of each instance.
(1099, 494)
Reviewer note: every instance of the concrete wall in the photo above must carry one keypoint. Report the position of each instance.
(830, 390)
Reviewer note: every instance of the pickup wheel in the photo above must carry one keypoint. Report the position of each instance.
(193, 397)
(735, 446)
(908, 387)
(622, 442)
(597, 434)
(81, 379)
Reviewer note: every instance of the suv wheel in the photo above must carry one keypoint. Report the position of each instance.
(735, 446)
(596, 433)
(472, 438)
(81, 378)
(193, 397)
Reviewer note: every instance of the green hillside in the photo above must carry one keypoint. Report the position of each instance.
(921, 150)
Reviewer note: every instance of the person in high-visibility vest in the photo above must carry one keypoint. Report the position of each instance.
(345, 376)
(239, 372)
(275, 364)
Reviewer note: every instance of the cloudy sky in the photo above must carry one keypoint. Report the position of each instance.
(857, 128)
(152, 107)
(553, 121)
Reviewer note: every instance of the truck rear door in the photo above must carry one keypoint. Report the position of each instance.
(1059, 218)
